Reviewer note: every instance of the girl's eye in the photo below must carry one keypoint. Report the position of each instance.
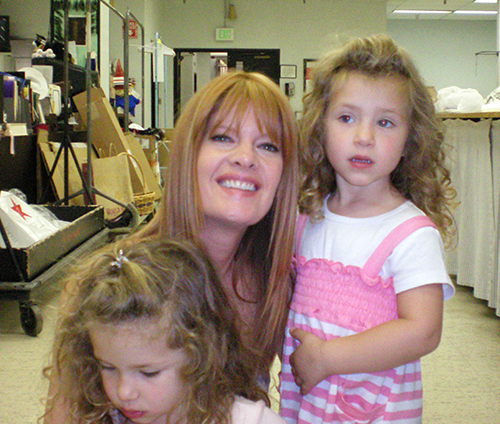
(105, 367)
(345, 119)
(150, 374)
(385, 123)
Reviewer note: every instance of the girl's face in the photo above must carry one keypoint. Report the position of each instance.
(238, 173)
(367, 125)
(140, 374)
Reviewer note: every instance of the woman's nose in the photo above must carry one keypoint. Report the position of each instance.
(244, 154)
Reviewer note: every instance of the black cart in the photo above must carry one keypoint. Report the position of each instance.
(22, 270)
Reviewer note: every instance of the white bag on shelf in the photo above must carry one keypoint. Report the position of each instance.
(23, 224)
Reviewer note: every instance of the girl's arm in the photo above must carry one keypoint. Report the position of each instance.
(416, 333)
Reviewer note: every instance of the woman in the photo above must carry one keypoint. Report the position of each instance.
(231, 188)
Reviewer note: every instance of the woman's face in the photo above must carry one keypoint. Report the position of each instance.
(238, 173)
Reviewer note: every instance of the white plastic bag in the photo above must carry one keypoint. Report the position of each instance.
(459, 99)
(23, 224)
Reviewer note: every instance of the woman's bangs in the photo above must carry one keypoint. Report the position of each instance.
(230, 105)
(268, 115)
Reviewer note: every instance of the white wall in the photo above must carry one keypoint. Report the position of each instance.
(27, 17)
(445, 51)
(300, 30)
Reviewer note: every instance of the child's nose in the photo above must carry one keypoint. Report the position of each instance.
(364, 135)
(126, 390)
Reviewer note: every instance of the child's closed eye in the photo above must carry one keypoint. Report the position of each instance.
(106, 367)
(150, 374)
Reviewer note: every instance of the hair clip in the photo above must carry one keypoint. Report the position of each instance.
(120, 259)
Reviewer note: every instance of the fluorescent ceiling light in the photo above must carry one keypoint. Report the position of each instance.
(421, 12)
(485, 1)
(475, 12)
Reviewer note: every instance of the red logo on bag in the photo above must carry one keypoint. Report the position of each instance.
(17, 209)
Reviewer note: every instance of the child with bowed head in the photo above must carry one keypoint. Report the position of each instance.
(375, 200)
(146, 337)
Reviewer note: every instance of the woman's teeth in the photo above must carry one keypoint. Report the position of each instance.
(240, 185)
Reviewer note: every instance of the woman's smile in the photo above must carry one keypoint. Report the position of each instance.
(239, 170)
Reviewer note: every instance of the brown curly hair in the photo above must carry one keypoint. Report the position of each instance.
(421, 176)
(159, 278)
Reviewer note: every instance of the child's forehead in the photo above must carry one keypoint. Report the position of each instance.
(347, 77)
(148, 329)
(393, 83)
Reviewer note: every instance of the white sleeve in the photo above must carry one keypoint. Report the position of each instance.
(271, 417)
(419, 260)
(248, 412)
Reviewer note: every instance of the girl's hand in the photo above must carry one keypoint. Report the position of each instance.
(306, 361)
(415, 333)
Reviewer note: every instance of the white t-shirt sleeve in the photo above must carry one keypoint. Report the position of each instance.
(247, 412)
(419, 260)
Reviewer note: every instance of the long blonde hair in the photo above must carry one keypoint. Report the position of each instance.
(421, 176)
(165, 283)
(264, 254)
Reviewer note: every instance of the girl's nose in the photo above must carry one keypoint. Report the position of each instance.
(364, 135)
(244, 154)
(126, 390)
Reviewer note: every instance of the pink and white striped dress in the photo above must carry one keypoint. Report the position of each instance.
(332, 300)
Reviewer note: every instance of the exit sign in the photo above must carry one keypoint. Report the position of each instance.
(224, 34)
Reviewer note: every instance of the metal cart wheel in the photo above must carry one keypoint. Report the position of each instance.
(31, 318)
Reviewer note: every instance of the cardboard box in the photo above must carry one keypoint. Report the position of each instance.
(148, 144)
(134, 148)
(109, 139)
(163, 151)
(85, 221)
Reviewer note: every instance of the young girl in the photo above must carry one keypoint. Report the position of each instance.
(371, 279)
(147, 338)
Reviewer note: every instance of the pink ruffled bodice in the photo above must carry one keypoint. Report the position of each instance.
(356, 301)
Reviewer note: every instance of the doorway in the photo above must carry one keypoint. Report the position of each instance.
(193, 68)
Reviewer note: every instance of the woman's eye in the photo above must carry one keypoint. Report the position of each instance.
(221, 138)
(270, 147)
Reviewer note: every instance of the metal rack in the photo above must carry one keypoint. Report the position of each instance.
(20, 290)
(30, 313)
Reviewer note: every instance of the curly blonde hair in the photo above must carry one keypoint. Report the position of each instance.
(421, 176)
(159, 279)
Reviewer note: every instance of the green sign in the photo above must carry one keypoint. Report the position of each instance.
(224, 34)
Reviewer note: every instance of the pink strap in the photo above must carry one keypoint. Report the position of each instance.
(379, 256)
(299, 229)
